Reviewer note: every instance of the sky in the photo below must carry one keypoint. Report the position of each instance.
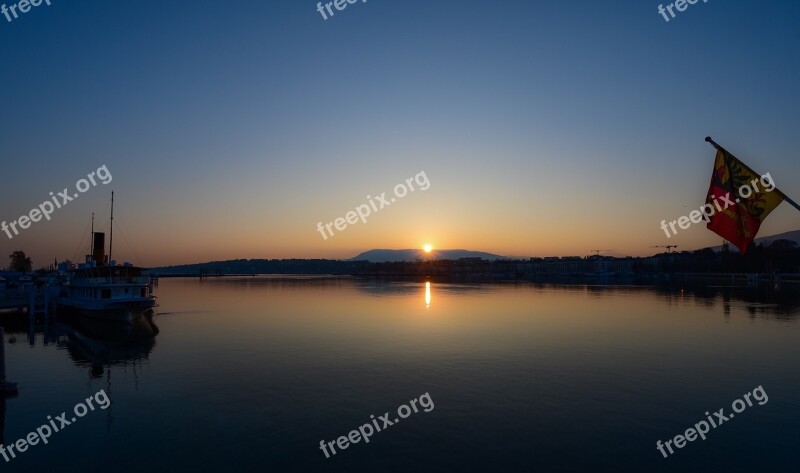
(230, 129)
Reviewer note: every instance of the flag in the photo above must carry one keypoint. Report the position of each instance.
(741, 200)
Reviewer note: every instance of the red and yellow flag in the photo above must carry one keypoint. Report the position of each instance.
(741, 198)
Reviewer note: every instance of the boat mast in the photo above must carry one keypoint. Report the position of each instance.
(111, 233)
(91, 238)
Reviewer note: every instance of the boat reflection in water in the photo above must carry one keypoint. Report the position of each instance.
(98, 343)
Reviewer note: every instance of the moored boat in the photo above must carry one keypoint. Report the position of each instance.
(99, 288)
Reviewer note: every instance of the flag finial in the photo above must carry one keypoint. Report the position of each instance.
(713, 143)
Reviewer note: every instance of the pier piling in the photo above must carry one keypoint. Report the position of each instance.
(32, 306)
(6, 387)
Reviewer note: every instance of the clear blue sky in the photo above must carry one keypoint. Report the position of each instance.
(545, 128)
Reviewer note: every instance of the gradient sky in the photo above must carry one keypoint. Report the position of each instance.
(545, 128)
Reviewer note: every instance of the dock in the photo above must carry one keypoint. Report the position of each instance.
(23, 295)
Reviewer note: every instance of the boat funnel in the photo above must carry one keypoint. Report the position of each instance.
(99, 248)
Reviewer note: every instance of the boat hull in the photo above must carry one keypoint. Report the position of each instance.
(115, 311)
(114, 304)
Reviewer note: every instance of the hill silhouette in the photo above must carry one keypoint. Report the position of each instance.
(392, 256)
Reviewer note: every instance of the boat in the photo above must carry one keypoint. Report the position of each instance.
(99, 288)
(91, 288)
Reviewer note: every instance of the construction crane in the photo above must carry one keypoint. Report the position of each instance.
(668, 247)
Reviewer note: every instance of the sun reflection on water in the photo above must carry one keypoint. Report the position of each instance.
(427, 295)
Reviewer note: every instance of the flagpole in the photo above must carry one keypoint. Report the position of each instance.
(785, 197)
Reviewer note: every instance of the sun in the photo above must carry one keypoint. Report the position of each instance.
(427, 248)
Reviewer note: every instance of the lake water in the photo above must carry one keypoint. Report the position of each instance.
(250, 374)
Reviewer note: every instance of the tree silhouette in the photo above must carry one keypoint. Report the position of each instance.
(20, 262)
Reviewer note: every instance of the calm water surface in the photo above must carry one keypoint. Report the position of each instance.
(249, 374)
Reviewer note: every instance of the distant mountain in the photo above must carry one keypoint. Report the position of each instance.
(793, 236)
(262, 266)
(390, 256)
(358, 265)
